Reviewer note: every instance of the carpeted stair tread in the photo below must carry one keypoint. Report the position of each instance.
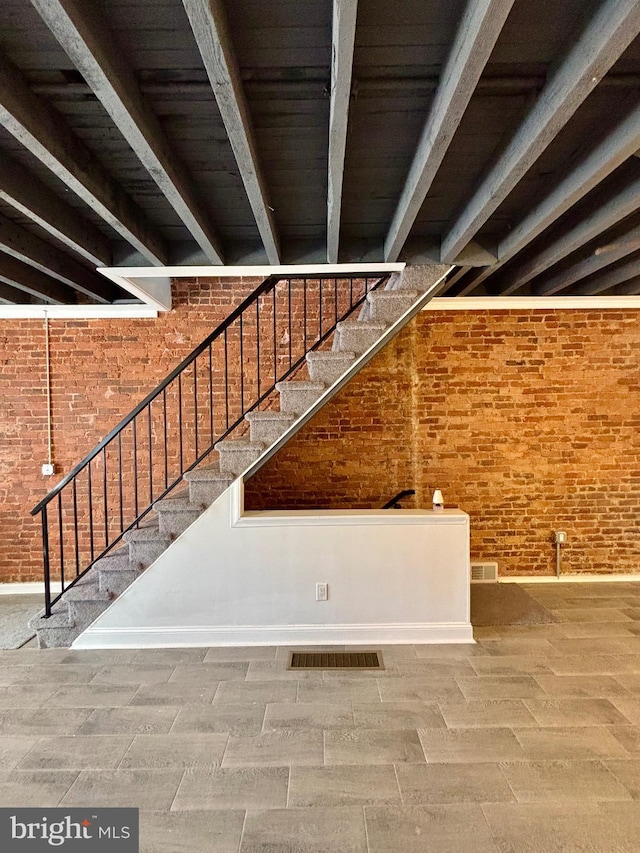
(208, 473)
(145, 534)
(301, 384)
(268, 415)
(177, 501)
(239, 445)
(59, 619)
(89, 591)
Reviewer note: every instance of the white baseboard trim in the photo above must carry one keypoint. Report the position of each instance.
(568, 578)
(273, 635)
(27, 588)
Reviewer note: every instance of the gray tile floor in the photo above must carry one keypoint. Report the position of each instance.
(528, 741)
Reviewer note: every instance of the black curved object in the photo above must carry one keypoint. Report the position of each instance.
(394, 503)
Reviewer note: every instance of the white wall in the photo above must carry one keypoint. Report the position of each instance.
(242, 579)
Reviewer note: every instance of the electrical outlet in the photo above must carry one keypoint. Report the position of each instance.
(322, 591)
(48, 469)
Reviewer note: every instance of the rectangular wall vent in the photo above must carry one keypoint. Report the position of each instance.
(335, 660)
(484, 572)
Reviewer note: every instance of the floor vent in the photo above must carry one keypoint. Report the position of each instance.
(484, 572)
(335, 660)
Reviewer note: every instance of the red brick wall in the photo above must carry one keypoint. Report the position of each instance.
(100, 369)
(530, 421)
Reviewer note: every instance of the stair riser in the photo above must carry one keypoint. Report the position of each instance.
(236, 461)
(56, 638)
(206, 491)
(355, 340)
(266, 432)
(83, 613)
(175, 523)
(388, 310)
(117, 581)
(327, 371)
(297, 401)
(146, 552)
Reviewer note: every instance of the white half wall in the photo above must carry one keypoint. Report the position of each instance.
(394, 576)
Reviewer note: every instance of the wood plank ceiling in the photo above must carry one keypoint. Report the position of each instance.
(500, 135)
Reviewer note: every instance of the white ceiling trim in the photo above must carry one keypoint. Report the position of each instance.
(533, 303)
(77, 312)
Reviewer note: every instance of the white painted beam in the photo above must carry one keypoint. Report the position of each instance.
(614, 149)
(343, 41)
(31, 281)
(621, 205)
(93, 51)
(153, 291)
(31, 250)
(45, 134)
(209, 24)
(607, 35)
(608, 280)
(478, 32)
(615, 250)
(28, 194)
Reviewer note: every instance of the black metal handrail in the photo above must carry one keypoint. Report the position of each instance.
(176, 426)
(394, 503)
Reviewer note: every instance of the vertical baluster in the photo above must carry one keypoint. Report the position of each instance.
(104, 495)
(350, 292)
(290, 329)
(275, 334)
(90, 511)
(195, 404)
(150, 440)
(241, 370)
(45, 562)
(135, 465)
(164, 430)
(61, 535)
(335, 301)
(226, 380)
(258, 342)
(210, 397)
(304, 312)
(120, 481)
(75, 526)
(180, 422)
(320, 280)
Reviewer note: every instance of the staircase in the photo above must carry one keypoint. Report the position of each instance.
(369, 323)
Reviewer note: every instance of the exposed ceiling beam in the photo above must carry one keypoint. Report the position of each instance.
(608, 280)
(209, 24)
(31, 281)
(607, 156)
(89, 45)
(613, 27)
(45, 134)
(28, 194)
(31, 250)
(343, 37)
(478, 32)
(605, 216)
(10, 295)
(618, 248)
(629, 288)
